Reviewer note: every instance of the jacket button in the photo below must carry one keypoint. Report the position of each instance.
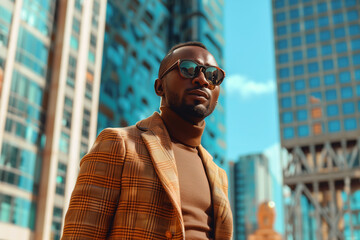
(168, 234)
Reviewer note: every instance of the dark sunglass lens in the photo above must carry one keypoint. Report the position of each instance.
(188, 69)
(213, 75)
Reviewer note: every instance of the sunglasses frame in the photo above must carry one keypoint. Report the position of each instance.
(178, 62)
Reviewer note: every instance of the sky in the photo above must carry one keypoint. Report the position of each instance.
(250, 85)
(251, 105)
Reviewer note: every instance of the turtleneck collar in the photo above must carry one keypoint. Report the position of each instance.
(181, 130)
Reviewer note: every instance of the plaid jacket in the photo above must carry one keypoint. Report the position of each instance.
(128, 188)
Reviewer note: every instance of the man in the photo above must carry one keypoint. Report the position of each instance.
(155, 180)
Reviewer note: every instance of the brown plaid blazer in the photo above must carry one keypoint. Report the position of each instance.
(128, 188)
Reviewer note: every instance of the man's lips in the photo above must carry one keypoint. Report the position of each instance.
(198, 92)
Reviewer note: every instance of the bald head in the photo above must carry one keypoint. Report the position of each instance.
(168, 58)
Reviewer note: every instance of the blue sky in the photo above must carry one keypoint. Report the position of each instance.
(251, 106)
(250, 83)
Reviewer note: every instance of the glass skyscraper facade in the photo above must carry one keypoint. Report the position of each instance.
(251, 184)
(138, 34)
(52, 105)
(48, 108)
(317, 47)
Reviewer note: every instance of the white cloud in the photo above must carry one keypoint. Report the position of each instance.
(245, 87)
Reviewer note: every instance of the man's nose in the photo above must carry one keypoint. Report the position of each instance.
(200, 79)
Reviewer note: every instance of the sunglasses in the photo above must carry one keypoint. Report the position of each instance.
(190, 69)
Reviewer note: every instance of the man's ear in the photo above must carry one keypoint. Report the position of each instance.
(158, 85)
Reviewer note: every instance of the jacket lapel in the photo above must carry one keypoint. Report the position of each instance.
(222, 212)
(158, 143)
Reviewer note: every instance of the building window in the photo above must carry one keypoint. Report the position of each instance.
(280, 17)
(348, 108)
(308, 10)
(285, 87)
(343, 62)
(330, 95)
(64, 142)
(329, 79)
(352, 15)
(317, 128)
(286, 102)
(303, 131)
(309, 24)
(354, 29)
(310, 38)
(283, 58)
(325, 35)
(350, 124)
(281, 30)
(341, 47)
(326, 50)
(339, 32)
(350, 3)
(298, 70)
(282, 44)
(313, 67)
(311, 52)
(332, 110)
(297, 55)
(358, 90)
(284, 72)
(295, 27)
(345, 77)
(355, 44)
(338, 18)
(299, 84)
(315, 97)
(322, 7)
(294, 13)
(357, 75)
(300, 100)
(335, 4)
(334, 126)
(316, 113)
(287, 117)
(279, 3)
(295, 41)
(356, 59)
(323, 21)
(301, 115)
(74, 43)
(314, 82)
(328, 64)
(346, 92)
(288, 133)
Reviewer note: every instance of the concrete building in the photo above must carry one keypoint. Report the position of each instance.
(49, 82)
(317, 47)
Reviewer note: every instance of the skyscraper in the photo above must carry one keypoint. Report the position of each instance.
(318, 72)
(52, 57)
(251, 184)
(51, 63)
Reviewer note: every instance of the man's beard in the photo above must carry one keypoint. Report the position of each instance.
(195, 110)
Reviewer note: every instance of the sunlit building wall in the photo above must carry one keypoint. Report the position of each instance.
(252, 184)
(50, 61)
(317, 47)
(138, 34)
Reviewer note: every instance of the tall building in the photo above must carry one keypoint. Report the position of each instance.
(50, 59)
(138, 34)
(317, 46)
(52, 104)
(251, 184)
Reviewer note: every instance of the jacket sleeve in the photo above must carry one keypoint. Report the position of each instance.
(95, 197)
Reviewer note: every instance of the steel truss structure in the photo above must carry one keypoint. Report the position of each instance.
(324, 180)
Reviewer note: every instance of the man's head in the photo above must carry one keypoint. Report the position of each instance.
(188, 92)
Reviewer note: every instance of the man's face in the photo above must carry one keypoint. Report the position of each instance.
(192, 99)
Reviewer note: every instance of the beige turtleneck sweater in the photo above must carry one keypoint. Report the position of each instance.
(195, 193)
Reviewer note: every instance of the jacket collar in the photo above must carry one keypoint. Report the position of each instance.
(158, 143)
